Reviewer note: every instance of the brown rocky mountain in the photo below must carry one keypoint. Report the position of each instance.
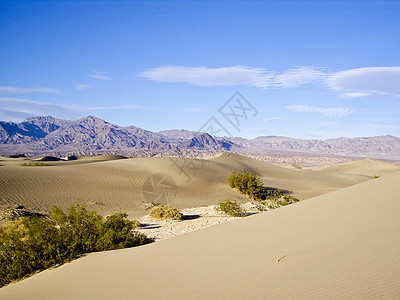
(41, 135)
(90, 135)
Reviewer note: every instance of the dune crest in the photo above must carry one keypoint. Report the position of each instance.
(119, 184)
(341, 245)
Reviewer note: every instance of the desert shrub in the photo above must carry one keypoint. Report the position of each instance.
(165, 212)
(34, 243)
(275, 200)
(117, 233)
(250, 184)
(36, 164)
(247, 183)
(288, 199)
(231, 208)
(274, 194)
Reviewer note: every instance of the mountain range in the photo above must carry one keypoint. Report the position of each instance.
(90, 135)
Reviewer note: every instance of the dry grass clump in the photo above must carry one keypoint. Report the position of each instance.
(166, 212)
(231, 207)
(36, 164)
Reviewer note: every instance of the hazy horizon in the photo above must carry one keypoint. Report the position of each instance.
(303, 69)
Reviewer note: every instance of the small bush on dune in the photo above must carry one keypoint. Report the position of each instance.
(250, 184)
(34, 243)
(165, 212)
(276, 200)
(117, 233)
(36, 164)
(231, 208)
(247, 183)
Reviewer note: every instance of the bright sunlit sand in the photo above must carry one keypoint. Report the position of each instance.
(342, 244)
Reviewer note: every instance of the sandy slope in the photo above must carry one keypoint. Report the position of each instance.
(341, 245)
(109, 184)
(368, 167)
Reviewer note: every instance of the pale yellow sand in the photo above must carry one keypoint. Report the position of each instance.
(108, 184)
(366, 167)
(341, 245)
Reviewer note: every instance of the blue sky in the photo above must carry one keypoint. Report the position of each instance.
(306, 69)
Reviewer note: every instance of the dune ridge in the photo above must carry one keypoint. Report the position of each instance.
(108, 184)
(343, 244)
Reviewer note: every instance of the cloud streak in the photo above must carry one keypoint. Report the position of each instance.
(270, 119)
(21, 90)
(354, 83)
(354, 95)
(235, 75)
(100, 75)
(333, 112)
(364, 81)
(203, 76)
(16, 107)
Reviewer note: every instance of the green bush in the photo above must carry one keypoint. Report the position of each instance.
(231, 208)
(165, 212)
(247, 183)
(274, 194)
(36, 164)
(275, 200)
(34, 243)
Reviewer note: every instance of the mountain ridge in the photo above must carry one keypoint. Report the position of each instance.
(92, 135)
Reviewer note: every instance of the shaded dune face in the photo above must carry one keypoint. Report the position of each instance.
(111, 183)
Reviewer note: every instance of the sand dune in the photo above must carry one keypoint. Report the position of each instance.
(108, 184)
(341, 245)
(367, 167)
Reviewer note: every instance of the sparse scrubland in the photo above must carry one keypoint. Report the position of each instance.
(34, 243)
(165, 212)
(231, 208)
(36, 164)
(251, 185)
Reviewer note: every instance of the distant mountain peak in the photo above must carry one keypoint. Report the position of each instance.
(42, 135)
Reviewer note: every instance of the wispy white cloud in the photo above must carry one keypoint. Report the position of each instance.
(203, 76)
(100, 75)
(270, 119)
(353, 83)
(21, 90)
(235, 75)
(361, 81)
(354, 95)
(298, 76)
(17, 109)
(332, 112)
(81, 87)
(23, 108)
